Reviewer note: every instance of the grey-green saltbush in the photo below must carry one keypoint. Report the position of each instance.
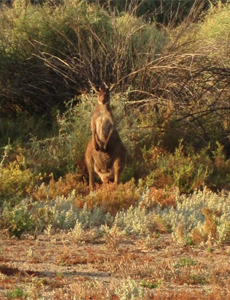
(130, 289)
(134, 221)
(66, 214)
(188, 212)
(63, 214)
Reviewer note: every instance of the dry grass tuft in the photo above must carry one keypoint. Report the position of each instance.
(112, 197)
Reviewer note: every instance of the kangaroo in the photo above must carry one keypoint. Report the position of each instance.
(102, 122)
(105, 153)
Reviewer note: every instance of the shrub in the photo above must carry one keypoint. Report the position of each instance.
(18, 130)
(112, 198)
(62, 187)
(16, 293)
(163, 12)
(200, 217)
(15, 182)
(218, 179)
(187, 171)
(59, 213)
(63, 212)
(16, 220)
(130, 289)
(159, 197)
(135, 221)
(214, 34)
(64, 153)
(68, 45)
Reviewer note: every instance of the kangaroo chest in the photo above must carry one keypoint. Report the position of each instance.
(104, 123)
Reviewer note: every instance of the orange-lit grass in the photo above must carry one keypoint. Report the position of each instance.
(112, 197)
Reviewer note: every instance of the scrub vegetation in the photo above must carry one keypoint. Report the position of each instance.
(164, 231)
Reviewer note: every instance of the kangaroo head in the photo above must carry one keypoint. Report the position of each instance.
(103, 96)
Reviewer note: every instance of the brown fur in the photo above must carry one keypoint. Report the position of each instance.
(102, 122)
(105, 153)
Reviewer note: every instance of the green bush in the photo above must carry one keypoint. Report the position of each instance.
(62, 47)
(16, 293)
(16, 220)
(213, 34)
(162, 11)
(187, 171)
(15, 182)
(18, 130)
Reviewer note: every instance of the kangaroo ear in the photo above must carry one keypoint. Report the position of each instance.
(112, 87)
(106, 86)
(94, 87)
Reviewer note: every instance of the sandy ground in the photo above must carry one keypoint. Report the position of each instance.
(60, 267)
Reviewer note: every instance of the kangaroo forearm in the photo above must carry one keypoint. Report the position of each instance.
(108, 138)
